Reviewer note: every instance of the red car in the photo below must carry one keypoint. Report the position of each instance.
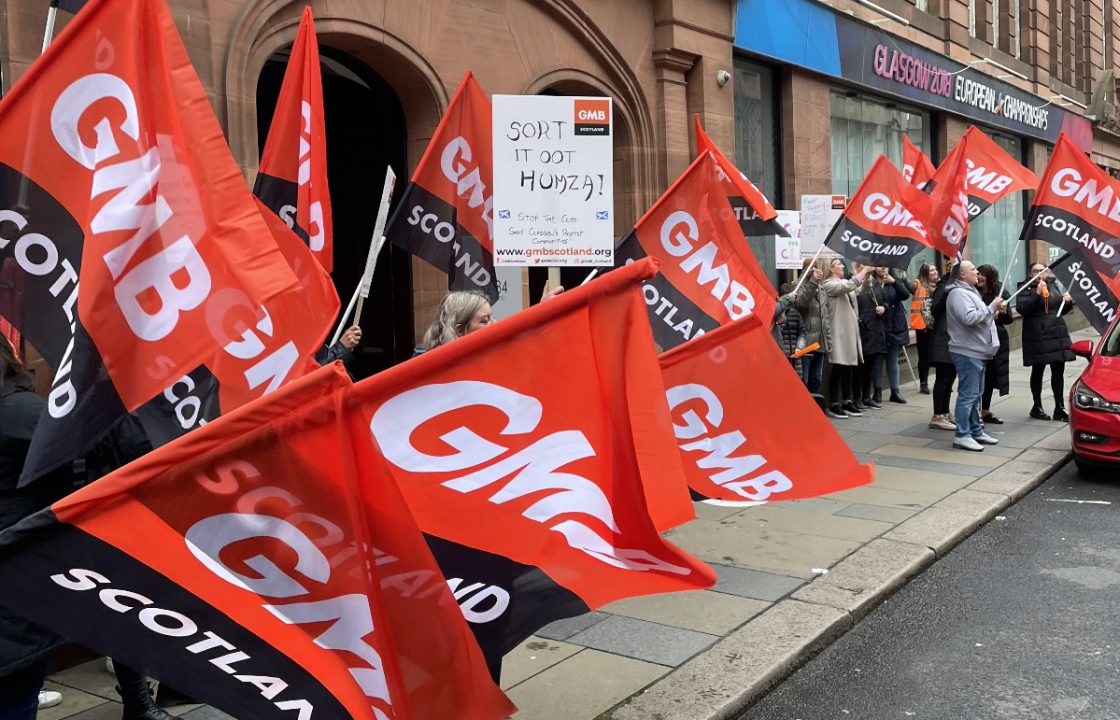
(1094, 407)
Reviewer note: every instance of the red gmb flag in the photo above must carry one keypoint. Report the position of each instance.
(275, 343)
(746, 428)
(990, 172)
(1077, 208)
(753, 211)
(446, 213)
(884, 223)
(122, 185)
(292, 179)
(1096, 296)
(709, 276)
(949, 207)
(916, 166)
(537, 454)
(265, 564)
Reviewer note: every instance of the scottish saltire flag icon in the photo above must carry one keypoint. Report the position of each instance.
(602, 215)
(503, 214)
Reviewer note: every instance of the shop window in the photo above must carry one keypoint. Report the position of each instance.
(863, 128)
(756, 144)
(994, 235)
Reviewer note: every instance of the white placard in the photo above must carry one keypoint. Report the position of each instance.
(553, 181)
(818, 214)
(511, 298)
(787, 250)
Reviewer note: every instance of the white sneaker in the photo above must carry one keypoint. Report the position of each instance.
(967, 443)
(985, 439)
(109, 666)
(49, 698)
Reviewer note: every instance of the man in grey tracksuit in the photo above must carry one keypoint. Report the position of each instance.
(972, 342)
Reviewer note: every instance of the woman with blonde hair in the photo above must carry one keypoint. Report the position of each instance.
(458, 313)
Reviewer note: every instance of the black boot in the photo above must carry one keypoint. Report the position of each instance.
(896, 397)
(924, 389)
(878, 396)
(136, 695)
(1038, 413)
(1060, 413)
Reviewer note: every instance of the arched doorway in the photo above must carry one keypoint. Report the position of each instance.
(365, 132)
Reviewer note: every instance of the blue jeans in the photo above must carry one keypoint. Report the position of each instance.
(892, 366)
(812, 371)
(19, 692)
(970, 383)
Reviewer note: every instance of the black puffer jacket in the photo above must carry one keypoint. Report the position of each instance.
(1001, 363)
(940, 355)
(1045, 335)
(872, 325)
(22, 642)
(895, 296)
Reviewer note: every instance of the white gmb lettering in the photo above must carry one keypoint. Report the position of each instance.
(696, 433)
(679, 233)
(455, 163)
(130, 180)
(1102, 200)
(881, 208)
(530, 470)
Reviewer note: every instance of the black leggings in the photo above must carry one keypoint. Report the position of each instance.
(925, 350)
(943, 388)
(1057, 382)
(865, 380)
(840, 384)
(990, 382)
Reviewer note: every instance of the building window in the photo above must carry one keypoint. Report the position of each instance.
(1005, 26)
(993, 235)
(922, 5)
(863, 128)
(757, 142)
(972, 18)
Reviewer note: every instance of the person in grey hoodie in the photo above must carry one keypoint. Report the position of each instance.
(972, 342)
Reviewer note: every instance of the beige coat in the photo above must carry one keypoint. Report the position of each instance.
(843, 316)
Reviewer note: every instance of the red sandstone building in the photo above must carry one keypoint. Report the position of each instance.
(805, 94)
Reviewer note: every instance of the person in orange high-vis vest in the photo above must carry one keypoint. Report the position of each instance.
(921, 321)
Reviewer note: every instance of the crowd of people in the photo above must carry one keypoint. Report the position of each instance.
(860, 318)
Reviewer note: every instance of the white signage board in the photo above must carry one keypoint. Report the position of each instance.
(553, 181)
(787, 250)
(818, 214)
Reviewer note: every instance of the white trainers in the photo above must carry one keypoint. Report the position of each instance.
(49, 698)
(967, 443)
(985, 439)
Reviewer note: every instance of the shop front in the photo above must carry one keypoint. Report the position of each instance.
(863, 89)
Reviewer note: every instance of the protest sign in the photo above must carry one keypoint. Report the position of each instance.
(553, 184)
(818, 214)
(787, 250)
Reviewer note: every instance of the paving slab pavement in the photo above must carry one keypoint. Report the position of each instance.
(708, 654)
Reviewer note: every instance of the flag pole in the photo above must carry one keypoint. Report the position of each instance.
(1011, 263)
(345, 315)
(809, 268)
(48, 31)
(1040, 272)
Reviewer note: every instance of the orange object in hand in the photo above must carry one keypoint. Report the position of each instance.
(805, 351)
(1045, 290)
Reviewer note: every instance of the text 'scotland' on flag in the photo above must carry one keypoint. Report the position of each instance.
(446, 213)
(265, 564)
(122, 186)
(884, 224)
(538, 456)
(709, 277)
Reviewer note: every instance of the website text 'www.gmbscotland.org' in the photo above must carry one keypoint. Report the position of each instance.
(553, 252)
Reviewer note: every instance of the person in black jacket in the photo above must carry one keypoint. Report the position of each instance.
(1046, 340)
(25, 648)
(873, 335)
(787, 325)
(896, 293)
(997, 373)
(946, 371)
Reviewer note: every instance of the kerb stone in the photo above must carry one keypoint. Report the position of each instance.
(741, 667)
(868, 575)
(944, 524)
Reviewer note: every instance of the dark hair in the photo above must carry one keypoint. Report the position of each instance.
(923, 272)
(991, 277)
(11, 369)
(786, 288)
